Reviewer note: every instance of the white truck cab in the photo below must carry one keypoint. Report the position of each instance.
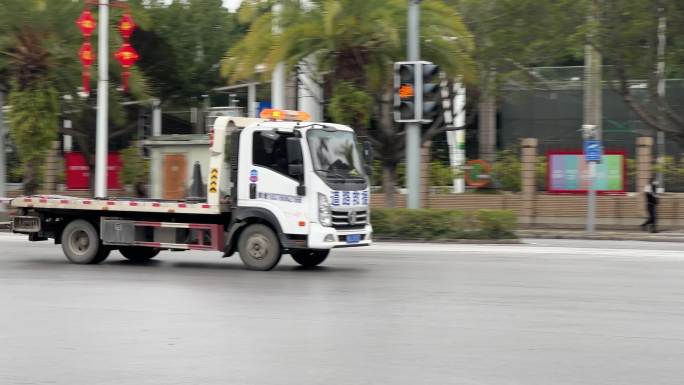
(277, 184)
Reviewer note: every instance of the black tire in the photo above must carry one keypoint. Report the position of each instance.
(259, 248)
(102, 254)
(139, 254)
(310, 257)
(81, 243)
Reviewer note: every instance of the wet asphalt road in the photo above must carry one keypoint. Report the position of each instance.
(554, 312)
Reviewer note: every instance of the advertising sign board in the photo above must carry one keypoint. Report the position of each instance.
(567, 173)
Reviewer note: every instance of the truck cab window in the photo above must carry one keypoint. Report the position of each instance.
(226, 180)
(269, 150)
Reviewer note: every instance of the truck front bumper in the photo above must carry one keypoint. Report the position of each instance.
(321, 237)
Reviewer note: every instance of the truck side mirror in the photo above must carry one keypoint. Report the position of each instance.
(368, 156)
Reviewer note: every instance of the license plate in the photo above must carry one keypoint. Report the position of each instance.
(354, 238)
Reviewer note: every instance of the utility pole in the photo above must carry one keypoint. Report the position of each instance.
(593, 112)
(156, 117)
(413, 129)
(309, 91)
(660, 135)
(102, 101)
(459, 136)
(3, 164)
(278, 76)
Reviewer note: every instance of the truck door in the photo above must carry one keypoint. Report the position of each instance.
(175, 176)
(271, 184)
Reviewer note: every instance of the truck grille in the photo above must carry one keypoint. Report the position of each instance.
(349, 219)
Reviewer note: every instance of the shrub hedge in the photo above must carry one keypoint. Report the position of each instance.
(443, 224)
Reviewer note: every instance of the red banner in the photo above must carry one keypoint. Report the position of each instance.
(78, 173)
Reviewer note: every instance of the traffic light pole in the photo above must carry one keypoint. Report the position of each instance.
(102, 102)
(413, 129)
(593, 114)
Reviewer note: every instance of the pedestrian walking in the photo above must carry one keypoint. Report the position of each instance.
(651, 194)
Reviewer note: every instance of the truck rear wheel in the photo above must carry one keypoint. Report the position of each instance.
(139, 254)
(259, 248)
(81, 243)
(309, 258)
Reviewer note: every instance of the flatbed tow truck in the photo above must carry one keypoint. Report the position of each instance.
(276, 185)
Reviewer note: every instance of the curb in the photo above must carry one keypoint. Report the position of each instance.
(452, 241)
(603, 237)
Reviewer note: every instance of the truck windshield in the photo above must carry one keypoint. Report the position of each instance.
(336, 158)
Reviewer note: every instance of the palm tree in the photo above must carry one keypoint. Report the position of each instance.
(38, 57)
(354, 43)
(32, 53)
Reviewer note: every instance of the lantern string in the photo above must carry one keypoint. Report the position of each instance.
(86, 79)
(86, 23)
(124, 79)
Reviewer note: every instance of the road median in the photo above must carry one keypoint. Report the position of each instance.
(442, 225)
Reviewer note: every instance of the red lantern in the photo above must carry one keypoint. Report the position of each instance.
(87, 56)
(126, 26)
(127, 56)
(86, 23)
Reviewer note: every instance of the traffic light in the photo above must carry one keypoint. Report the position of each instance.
(416, 92)
(405, 91)
(430, 99)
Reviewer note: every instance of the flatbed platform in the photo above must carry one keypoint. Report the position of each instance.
(61, 202)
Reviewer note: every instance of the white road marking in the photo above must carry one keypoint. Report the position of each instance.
(527, 249)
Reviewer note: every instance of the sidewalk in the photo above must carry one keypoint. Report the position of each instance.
(666, 236)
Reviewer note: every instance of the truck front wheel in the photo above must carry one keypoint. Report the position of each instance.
(309, 258)
(259, 248)
(81, 244)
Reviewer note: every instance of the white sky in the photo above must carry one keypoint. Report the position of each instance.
(230, 4)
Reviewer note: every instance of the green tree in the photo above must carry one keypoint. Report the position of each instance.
(506, 172)
(31, 56)
(441, 174)
(354, 43)
(40, 69)
(511, 36)
(33, 127)
(350, 105)
(182, 47)
(135, 168)
(629, 43)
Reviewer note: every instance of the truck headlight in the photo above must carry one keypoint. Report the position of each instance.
(324, 213)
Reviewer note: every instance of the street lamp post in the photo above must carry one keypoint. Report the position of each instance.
(278, 77)
(593, 116)
(102, 130)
